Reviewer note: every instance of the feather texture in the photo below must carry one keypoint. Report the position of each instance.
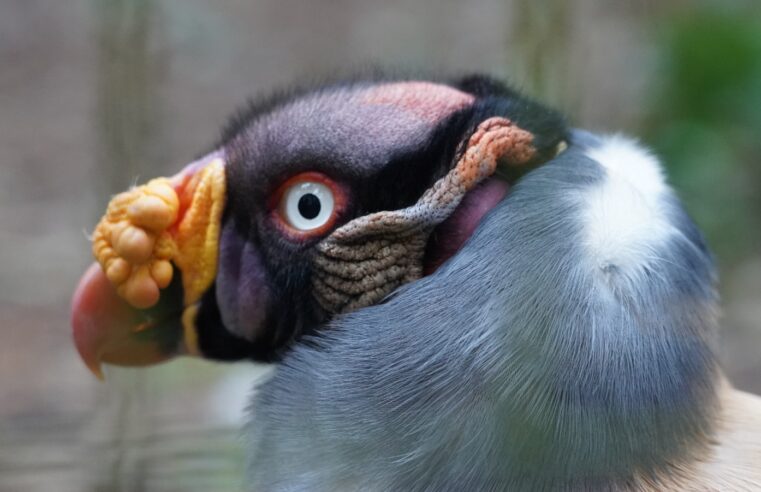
(523, 365)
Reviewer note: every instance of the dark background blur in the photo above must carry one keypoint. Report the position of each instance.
(95, 94)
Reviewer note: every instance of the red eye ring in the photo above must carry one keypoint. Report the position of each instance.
(325, 203)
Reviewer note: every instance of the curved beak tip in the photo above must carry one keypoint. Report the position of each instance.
(86, 304)
(96, 369)
(106, 329)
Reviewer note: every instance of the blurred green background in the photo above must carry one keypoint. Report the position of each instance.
(96, 94)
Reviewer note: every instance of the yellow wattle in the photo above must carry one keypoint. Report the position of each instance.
(168, 221)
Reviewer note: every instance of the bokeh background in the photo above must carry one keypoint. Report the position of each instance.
(95, 94)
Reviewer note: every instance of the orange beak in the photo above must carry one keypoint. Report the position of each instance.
(156, 250)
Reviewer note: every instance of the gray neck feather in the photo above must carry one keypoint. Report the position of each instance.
(517, 363)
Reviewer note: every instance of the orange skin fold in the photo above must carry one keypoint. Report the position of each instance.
(145, 234)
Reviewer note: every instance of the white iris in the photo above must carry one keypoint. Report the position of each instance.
(308, 205)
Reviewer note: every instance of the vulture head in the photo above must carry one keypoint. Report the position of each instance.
(314, 203)
(460, 292)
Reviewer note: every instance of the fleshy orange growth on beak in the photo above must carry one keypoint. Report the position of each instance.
(145, 234)
(166, 220)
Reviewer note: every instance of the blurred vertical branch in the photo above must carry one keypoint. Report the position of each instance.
(129, 70)
(540, 40)
(128, 118)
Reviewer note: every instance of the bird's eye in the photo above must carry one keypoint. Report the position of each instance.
(309, 204)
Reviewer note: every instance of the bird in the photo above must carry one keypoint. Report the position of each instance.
(458, 291)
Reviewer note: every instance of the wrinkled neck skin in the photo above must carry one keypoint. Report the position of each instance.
(554, 351)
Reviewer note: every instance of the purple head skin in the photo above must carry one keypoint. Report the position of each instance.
(241, 291)
(359, 128)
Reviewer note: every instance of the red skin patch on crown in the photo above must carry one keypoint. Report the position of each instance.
(428, 101)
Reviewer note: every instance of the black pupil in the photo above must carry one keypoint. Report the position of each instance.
(309, 206)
